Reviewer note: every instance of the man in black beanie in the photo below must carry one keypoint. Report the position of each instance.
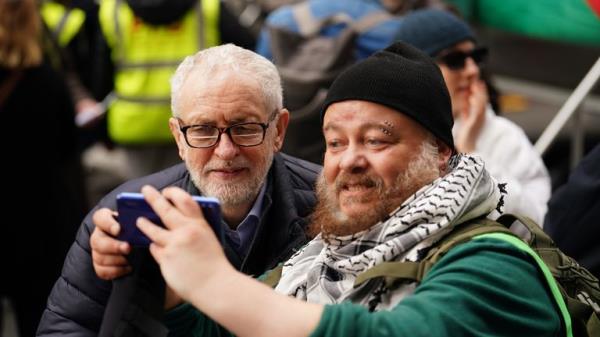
(390, 189)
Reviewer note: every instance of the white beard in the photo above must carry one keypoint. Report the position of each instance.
(233, 194)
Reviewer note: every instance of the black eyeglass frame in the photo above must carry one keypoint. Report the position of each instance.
(456, 60)
(183, 128)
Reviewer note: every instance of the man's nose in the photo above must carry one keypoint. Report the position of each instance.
(225, 148)
(353, 159)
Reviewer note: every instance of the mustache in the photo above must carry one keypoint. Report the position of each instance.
(224, 165)
(346, 179)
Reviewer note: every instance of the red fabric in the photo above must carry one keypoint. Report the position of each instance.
(595, 5)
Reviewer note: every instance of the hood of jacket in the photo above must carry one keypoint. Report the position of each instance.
(160, 12)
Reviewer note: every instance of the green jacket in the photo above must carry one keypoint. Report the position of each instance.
(478, 289)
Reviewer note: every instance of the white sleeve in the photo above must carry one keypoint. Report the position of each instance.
(511, 158)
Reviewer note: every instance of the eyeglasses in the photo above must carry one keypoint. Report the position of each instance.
(241, 134)
(455, 60)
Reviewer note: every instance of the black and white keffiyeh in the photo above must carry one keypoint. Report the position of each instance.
(325, 272)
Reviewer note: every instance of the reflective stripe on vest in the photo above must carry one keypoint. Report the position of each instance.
(145, 57)
(64, 22)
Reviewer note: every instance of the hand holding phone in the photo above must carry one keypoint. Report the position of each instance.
(131, 206)
(187, 252)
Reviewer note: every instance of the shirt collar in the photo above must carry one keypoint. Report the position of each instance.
(242, 236)
(258, 203)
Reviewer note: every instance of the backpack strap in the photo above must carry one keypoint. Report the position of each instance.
(593, 326)
(464, 233)
(395, 271)
(416, 271)
(579, 288)
(552, 284)
(528, 230)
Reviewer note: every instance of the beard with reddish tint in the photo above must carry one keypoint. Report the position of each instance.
(328, 218)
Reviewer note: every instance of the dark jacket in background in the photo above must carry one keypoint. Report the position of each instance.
(44, 189)
(77, 303)
(573, 218)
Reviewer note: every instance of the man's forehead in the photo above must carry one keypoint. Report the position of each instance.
(230, 92)
(225, 113)
(203, 83)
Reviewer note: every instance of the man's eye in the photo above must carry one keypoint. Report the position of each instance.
(249, 129)
(202, 131)
(374, 142)
(334, 143)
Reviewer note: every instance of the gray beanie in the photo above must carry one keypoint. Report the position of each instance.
(403, 78)
(433, 30)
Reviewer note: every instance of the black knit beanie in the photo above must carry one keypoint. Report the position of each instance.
(404, 79)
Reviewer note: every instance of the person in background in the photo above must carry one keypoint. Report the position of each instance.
(573, 213)
(69, 31)
(42, 165)
(504, 147)
(70, 39)
(229, 124)
(390, 189)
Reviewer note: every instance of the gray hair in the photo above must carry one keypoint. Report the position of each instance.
(232, 58)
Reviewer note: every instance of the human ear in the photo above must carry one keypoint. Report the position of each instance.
(282, 122)
(178, 135)
(444, 154)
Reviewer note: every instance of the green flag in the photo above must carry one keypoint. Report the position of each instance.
(575, 21)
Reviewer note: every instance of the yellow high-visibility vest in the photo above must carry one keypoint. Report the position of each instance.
(63, 22)
(145, 58)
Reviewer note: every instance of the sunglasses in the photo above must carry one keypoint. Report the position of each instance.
(455, 60)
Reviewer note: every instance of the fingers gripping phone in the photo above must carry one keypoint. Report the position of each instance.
(131, 206)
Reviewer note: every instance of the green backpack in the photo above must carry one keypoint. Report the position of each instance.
(576, 290)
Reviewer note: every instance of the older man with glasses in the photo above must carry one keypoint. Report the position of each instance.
(229, 125)
(506, 150)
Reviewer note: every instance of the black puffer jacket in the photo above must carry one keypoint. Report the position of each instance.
(77, 303)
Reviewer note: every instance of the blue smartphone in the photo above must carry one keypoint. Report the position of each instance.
(131, 206)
